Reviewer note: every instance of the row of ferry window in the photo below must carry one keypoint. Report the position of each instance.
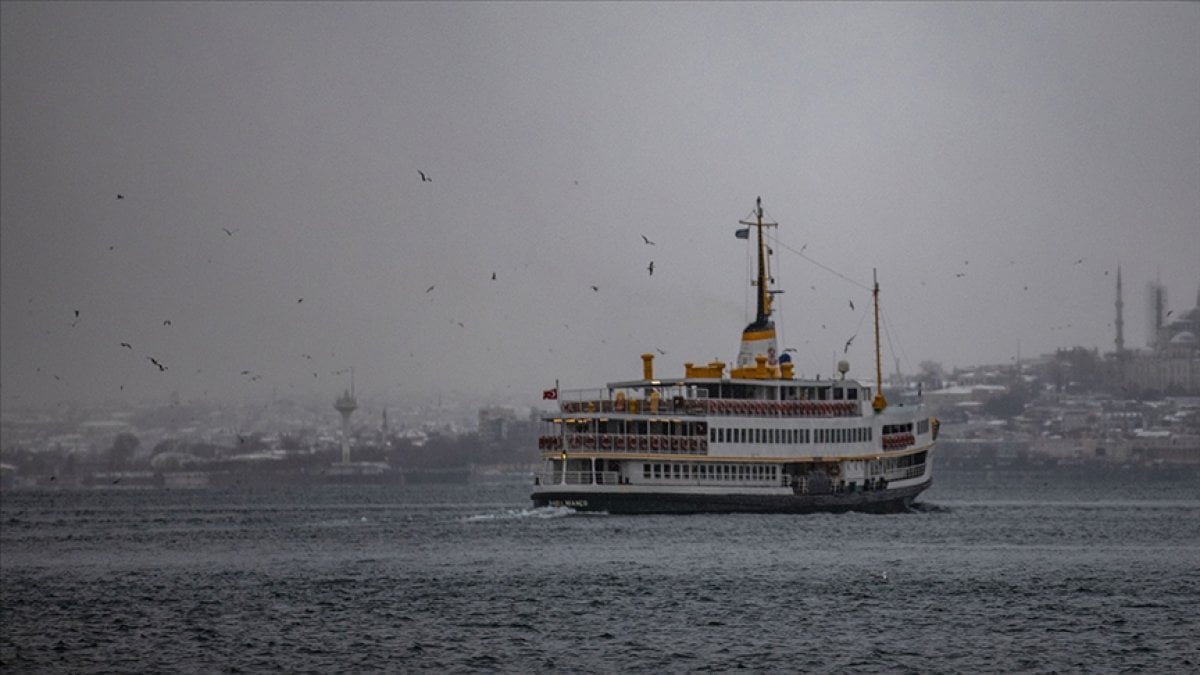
(743, 435)
(755, 392)
(687, 471)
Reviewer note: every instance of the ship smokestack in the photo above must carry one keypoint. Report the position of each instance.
(647, 366)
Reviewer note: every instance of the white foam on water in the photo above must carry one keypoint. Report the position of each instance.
(541, 512)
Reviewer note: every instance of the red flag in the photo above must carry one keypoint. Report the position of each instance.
(550, 394)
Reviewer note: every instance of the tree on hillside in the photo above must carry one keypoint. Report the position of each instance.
(931, 374)
(122, 450)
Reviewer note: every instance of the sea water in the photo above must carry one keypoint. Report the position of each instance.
(1001, 572)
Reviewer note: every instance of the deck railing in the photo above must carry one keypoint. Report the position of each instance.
(701, 407)
(579, 478)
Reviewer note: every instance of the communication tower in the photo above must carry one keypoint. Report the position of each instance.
(346, 404)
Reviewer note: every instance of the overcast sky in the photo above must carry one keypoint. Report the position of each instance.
(994, 162)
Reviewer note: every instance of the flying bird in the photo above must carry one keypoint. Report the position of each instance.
(847, 347)
(493, 276)
(851, 304)
(960, 274)
(424, 178)
(660, 351)
(596, 288)
(126, 345)
(647, 241)
(651, 268)
(156, 362)
(429, 289)
(166, 322)
(789, 349)
(227, 231)
(120, 196)
(300, 301)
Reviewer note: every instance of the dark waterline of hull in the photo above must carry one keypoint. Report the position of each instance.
(887, 501)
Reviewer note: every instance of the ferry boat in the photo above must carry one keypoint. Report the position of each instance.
(753, 439)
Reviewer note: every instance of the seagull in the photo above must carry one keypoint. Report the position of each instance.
(167, 322)
(120, 196)
(300, 301)
(596, 288)
(493, 276)
(424, 178)
(227, 231)
(660, 351)
(429, 289)
(651, 268)
(126, 345)
(851, 304)
(155, 361)
(960, 274)
(789, 349)
(647, 241)
(847, 347)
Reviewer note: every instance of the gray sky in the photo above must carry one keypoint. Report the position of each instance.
(1000, 142)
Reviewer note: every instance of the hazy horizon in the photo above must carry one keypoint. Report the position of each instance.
(995, 162)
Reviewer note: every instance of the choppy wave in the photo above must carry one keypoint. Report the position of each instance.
(391, 580)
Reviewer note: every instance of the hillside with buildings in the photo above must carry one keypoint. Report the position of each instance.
(1072, 409)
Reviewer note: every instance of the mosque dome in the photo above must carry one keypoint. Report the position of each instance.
(1184, 337)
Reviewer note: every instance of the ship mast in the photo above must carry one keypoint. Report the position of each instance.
(879, 402)
(764, 303)
(759, 337)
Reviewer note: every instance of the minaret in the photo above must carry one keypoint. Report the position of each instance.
(1120, 317)
(346, 405)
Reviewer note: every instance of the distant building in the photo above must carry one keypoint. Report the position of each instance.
(1171, 365)
(495, 423)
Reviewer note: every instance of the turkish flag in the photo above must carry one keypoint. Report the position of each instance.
(550, 395)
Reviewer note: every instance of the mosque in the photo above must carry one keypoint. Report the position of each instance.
(1171, 363)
